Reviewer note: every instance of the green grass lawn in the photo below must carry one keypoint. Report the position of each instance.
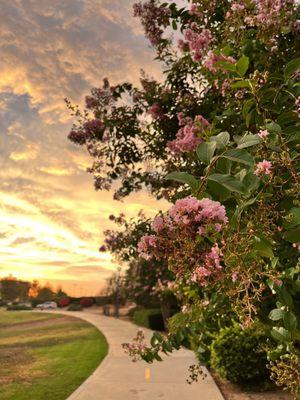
(46, 356)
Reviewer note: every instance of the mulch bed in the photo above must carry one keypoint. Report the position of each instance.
(231, 391)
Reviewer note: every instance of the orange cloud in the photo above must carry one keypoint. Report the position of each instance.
(29, 153)
(57, 171)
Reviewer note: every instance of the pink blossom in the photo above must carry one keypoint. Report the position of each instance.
(212, 210)
(234, 276)
(158, 224)
(201, 230)
(185, 220)
(267, 15)
(94, 127)
(194, 10)
(183, 45)
(78, 136)
(263, 168)
(198, 42)
(189, 136)
(211, 60)
(263, 134)
(155, 111)
(145, 244)
(153, 19)
(297, 246)
(200, 274)
(225, 86)
(218, 227)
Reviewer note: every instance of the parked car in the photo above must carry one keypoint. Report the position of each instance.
(48, 305)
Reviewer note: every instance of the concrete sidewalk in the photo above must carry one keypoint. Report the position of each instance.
(117, 378)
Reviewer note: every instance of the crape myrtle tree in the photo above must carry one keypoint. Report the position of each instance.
(219, 138)
(149, 283)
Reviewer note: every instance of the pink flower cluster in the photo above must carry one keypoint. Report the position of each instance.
(153, 17)
(269, 12)
(100, 96)
(263, 168)
(263, 134)
(196, 42)
(265, 14)
(211, 60)
(90, 130)
(155, 111)
(194, 10)
(189, 135)
(175, 238)
(211, 265)
(235, 9)
(137, 348)
(297, 246)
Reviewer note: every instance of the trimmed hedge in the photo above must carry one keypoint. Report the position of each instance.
(75, 307)
(19, 307)
(238, 354)
(149, 318)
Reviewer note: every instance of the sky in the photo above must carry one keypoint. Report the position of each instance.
(51, 218)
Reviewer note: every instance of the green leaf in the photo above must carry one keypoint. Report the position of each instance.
(280, 334)
(248, 108)
(292, 67)
(226, 65)
(293, 219)
(228, 182)
(201, 349)
(184, 177)
(284, 296)
(222, 139)
(247, 141)
(227, 50)
(251, 182)
(240, 84)
(290, 321)
(263, 247)
(276, 314)
(205, 151)
(292, 236)
(218, 191)
(242, 65)
(223, 166)
(272, 127)
(157, 357)
(239, 156)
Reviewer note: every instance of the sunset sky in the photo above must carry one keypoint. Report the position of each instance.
(51, 219)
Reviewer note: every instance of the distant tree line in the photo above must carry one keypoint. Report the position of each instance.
(16, 290)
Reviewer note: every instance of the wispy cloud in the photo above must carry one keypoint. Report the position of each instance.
(50, 217)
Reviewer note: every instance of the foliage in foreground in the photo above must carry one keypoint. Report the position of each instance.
(219, 137)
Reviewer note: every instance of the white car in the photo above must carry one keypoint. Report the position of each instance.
(48, 305)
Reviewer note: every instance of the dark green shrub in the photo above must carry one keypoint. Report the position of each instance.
(19, 307)
(75, 307)
(238, 354)
(2, 303)
(133, 310)
(149, 318)
(102, 300)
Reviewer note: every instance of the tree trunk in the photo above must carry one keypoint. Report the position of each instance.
(165, 307)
